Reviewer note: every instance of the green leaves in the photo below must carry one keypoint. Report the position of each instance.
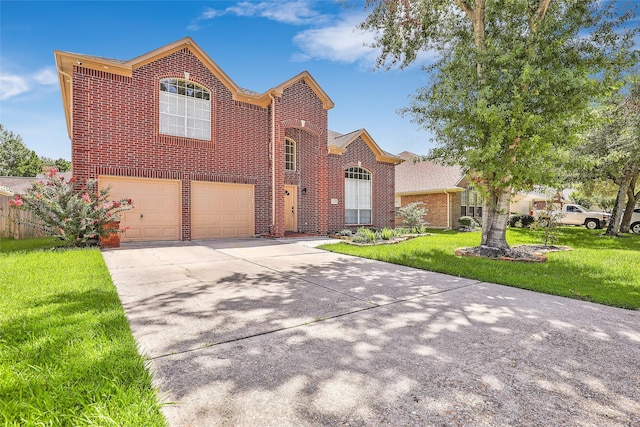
(515, 82)
(15, 158)
(72, 215)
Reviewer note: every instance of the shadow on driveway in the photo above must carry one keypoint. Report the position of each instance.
(262, 332)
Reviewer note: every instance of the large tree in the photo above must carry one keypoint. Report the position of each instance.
(63, 165)
(612, 151)
(512, 87)
(15, 158)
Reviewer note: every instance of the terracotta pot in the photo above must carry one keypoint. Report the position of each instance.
(111, 240)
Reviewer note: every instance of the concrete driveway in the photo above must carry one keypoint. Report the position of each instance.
(262, 332)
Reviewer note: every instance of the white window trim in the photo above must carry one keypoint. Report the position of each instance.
(191, 117)
(363, 198)
(292, 163)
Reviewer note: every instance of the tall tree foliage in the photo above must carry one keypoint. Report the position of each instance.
(15, 158)
(612, 151)
(61, 164)
(512, 86)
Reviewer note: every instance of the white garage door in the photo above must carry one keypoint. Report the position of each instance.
(157, 209)
(221, 210)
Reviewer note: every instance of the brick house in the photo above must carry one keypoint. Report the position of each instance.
(203, 158)
(444, 190)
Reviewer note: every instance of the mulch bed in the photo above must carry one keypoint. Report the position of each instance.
(520, 253)
(391, 241)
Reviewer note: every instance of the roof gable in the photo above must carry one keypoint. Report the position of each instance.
(338, 144)
(65, 61)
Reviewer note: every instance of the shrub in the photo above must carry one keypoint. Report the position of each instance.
(467, 221)
(387, 234)
(419, 230)
(548, 224)
(401, 231)
(345, 232)
(365, 235)
(413, 215)
(519, 221)
(75, 216)
(527, 220)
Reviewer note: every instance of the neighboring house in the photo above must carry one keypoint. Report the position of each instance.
(524, 203)
(12, 220)
(203, 158)
(443, 190)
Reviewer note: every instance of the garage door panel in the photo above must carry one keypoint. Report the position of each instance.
(221, 210)
(156, 214)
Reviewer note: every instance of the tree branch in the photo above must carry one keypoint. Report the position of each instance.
(465, 7)
(539, 14)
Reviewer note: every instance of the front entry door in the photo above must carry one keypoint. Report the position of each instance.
(290, 208)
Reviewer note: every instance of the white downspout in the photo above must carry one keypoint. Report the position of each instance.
(448, 209)
(273, 162)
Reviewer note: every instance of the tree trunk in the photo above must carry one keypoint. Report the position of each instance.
(614, 225)
(632, 197)
(494, 220)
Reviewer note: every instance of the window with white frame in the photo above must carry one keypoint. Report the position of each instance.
(185, 109)
(289, 154)
(471, 203)
(357, 195)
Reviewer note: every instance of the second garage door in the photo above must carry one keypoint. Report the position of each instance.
(156, 214)
(221, 210)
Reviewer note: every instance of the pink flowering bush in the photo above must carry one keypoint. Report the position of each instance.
(75, 216)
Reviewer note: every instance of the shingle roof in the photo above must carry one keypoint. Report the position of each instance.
(20, 184)
(425, 176)
(16, 184)
(101, 58)
(338, 139)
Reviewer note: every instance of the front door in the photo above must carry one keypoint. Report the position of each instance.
(290, 208)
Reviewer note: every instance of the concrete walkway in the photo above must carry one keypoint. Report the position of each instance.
(259, 332)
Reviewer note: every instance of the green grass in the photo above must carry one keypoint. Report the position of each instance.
(601, 269)
(10, 245)
(67, 356)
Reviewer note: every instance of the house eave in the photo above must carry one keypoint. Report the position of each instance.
(434, 191)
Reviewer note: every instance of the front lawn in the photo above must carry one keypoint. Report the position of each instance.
(67, 356)
(601, 269)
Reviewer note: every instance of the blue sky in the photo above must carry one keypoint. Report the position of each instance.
(258, 44)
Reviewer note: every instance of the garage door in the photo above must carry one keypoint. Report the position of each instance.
(157, 210)
(221, 210)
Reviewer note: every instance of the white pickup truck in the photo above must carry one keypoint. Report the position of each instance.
(635, 221)
(574, 215)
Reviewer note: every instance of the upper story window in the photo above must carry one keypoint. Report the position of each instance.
(289, 154)
(185, 109)
(357, 196)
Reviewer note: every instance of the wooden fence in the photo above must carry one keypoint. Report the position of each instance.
(12, 221)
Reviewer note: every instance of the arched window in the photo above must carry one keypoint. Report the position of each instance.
(289, 154)
(357, 195)
(185, 109)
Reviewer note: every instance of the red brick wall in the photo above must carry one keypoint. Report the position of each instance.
(115, 131)
(383, 183)
(304, 120)
(437, 209)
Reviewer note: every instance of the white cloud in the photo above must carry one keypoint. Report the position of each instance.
(298, 12)
(330, 37)
(340, 42)
(46, 76)
(12, 85)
